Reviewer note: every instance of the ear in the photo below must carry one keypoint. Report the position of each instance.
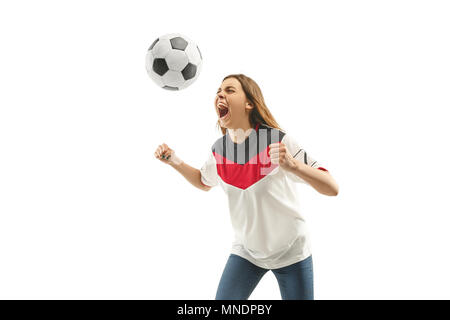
(248, 106)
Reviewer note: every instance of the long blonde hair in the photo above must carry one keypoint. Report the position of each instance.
(260, 113)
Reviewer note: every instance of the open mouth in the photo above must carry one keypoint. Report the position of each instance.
(223, 110)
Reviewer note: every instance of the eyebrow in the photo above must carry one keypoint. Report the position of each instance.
(226, 88)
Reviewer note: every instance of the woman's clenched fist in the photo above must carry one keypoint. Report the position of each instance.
(167, 155)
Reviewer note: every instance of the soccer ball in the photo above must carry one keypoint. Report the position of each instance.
(173, 61)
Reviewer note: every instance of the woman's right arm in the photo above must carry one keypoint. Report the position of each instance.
(193, 175)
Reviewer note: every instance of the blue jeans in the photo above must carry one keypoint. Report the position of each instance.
(240, 278)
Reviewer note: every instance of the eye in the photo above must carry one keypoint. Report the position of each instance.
(227, 90)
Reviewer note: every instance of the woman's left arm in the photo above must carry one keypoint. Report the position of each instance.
(320, 180)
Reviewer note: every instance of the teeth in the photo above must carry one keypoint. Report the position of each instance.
(223, 110)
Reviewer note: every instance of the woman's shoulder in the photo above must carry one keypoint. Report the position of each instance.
(272, 132)
(218, 143)
(266, 126)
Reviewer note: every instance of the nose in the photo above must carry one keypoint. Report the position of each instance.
(220, 98)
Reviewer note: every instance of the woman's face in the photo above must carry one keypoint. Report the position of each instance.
(231, 104)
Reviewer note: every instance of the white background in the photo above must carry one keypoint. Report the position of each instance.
(87, 212)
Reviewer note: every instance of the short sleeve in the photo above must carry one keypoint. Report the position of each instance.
(297, 151)
(208, 171)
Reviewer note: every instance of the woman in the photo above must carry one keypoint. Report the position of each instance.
(256, 164)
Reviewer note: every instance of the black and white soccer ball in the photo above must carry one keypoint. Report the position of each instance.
(173, 61)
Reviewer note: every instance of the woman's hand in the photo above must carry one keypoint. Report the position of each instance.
(167, 155)
(279, 154)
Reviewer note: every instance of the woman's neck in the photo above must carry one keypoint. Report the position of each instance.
(241, 132)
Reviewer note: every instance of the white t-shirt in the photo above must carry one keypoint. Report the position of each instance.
(269, 229)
